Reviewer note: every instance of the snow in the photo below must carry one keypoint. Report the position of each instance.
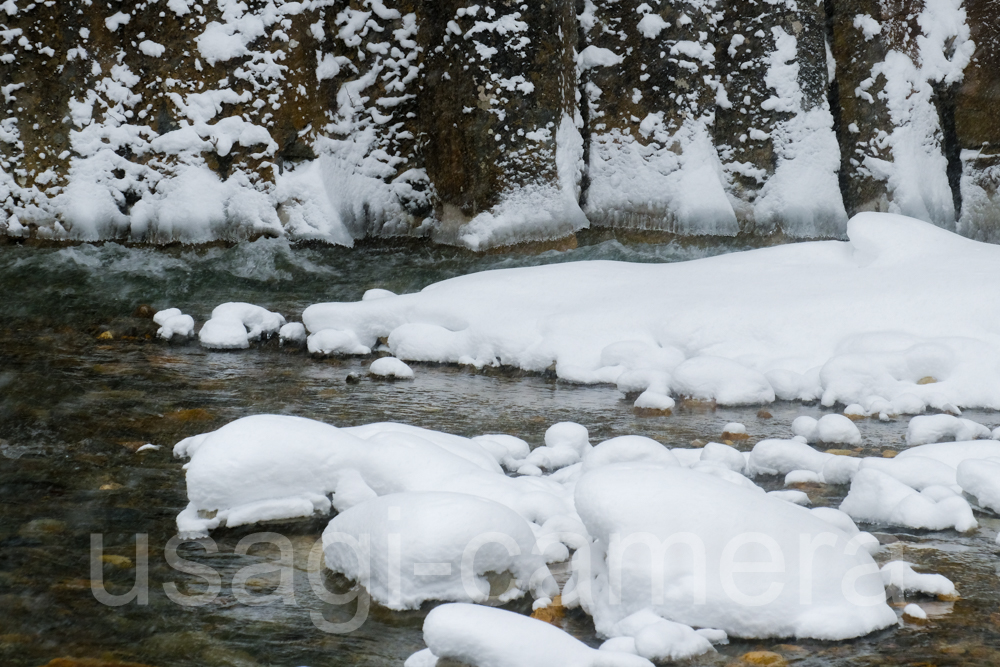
(858, 345)
(628, 448)
(734, 428)
(391, 367)
(414, 506)
(485, 637)
(595, 56)
(566, 443)
(233, 325)
(901, 575)
(639, 502)
(876, 497)
(281, 467)
(780, 457)
(926, 429)
(981, 479)
(173, 323)
(446, 544)
(293, 332)
(830, 429)
(954, 453)
(915, 611)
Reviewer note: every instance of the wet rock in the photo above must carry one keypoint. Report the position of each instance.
(121, 562)
(42, 528)
(553, 613)
(764, 414)
(842, 452)
(498, 111)
(774, 129)
(648, 86)
(190, 415)
(889, 453)
(144, 311)
(765, 658)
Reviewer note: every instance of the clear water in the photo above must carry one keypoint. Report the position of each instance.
(74, 407)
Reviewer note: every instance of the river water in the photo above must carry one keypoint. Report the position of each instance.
(83, 384)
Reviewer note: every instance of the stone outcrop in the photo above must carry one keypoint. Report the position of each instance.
(493, 123)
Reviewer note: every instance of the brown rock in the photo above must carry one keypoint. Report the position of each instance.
(699, 443)
(106, 335)
(767, 658)
(842, 452)
(889, 453)
(123, 562)
(144, 311)
(552, 613)
(764, 414)
(927, 380)
(191, 415)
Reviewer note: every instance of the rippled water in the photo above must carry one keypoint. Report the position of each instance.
(73, 408)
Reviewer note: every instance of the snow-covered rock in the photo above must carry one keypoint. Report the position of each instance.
(924, 429)
(408, 548)
(878, 498)
(173, 323)
(390, 367)
(682, 572)
(485, 637)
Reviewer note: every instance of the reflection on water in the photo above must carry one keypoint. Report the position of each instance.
(74, 408)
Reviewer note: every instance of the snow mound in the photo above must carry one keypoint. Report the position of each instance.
(233, 325)
(981, 480)
(925, 429)
(446, 544)
(829, 429)
(173, 323)
(390, 367)
(292, 333)
(485, 637)
(271, 467)
(797, 339)
(878, 498)
(676, 567)
(901, 575)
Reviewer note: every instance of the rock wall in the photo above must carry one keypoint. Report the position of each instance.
(493, 123)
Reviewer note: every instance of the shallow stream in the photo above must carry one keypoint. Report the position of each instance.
(83, 384)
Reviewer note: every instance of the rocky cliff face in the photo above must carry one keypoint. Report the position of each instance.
(494, 123)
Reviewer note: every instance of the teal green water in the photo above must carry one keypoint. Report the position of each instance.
(73, 408)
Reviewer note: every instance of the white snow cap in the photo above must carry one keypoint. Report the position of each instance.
(173, 323)
(685, 579)
(293, 332)
(391, 367)
(900, 574)
(829, 429)
(925, 429)
(487, 637)
(447, 543)
(234, 325)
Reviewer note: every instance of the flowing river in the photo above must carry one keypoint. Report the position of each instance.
(84, 383)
